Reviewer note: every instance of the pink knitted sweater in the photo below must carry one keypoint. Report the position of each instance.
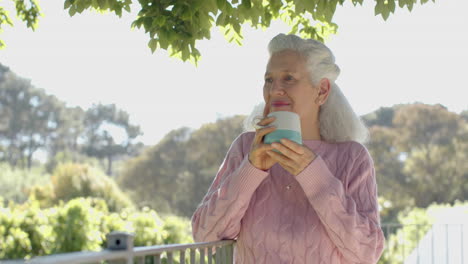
(326, 214)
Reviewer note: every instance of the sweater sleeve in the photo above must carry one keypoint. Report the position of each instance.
(350, 215)
(220, 213)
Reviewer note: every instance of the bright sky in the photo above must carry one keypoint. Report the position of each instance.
(90, 58)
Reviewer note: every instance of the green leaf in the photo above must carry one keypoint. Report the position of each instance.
(72, 11)
(94, 4)
(185, 54)
(378, 8)
(391, 5)
(220, 21)
(410, 5)
(80, 6)
(402, 3)
(103, 4)
(247, 4)
(2, 44)
(237, 28)
(163, 43)
(386, 14)
(153, 45)
(67, 4)
(118, 11)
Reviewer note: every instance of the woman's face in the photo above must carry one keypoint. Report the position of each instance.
(288, 86)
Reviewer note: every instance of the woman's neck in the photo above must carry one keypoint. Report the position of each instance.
(310, 130)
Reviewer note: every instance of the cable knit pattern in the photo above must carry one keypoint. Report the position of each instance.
(329, 214)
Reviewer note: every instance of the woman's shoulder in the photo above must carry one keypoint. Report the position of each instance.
(243, 142)
(350, 161)
(352, 150)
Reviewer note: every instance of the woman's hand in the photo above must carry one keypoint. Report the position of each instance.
(258, 156)
(293, 157)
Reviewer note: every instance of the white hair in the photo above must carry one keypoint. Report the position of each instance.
(338, 121)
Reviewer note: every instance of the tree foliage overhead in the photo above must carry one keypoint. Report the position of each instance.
(176, 25)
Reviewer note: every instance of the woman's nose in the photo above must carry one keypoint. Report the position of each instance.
(276, 88)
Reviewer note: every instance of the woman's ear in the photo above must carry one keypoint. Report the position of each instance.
(324, 91)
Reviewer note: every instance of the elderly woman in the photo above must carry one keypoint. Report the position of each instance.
(314, 202)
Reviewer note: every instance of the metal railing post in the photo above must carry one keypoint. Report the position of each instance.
(121, 241)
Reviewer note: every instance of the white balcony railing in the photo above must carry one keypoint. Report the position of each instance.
(437, 244)
(120, 250)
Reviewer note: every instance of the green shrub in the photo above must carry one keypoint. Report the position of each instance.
(81, 224)
(76, 226)
(147, 227)
(15, 183)
(80, 180)
(65, 157)
(24, 231)
(178, 230)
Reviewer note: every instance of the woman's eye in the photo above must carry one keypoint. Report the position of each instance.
(289, 78)
(268, 80)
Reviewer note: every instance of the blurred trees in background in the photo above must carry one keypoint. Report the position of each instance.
(420, 154)
(100, 142)
(32, 121)
(174, 175)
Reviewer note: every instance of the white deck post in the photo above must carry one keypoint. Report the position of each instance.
(121, 241)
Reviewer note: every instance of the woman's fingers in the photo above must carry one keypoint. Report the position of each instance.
(294, 157)
(281, 158)
(267, 120)
(288, 152)
(299, 149)
(262, 131)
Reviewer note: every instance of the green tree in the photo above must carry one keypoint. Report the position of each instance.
(71, 181)
(421, 125)
(464, 115)
(29, 118)
(208, 147)
(438, 173)
(102, 122)
(70, 128)
(419, 152)
(391, 180)
(174, 175)
(176, 25)
(152, 178)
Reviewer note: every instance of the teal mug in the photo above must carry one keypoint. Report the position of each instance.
(288, 125)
